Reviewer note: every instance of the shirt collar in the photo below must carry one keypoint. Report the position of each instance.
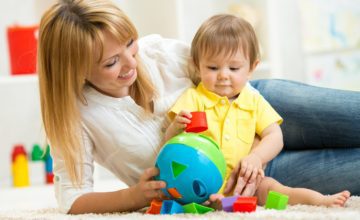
(245, 100)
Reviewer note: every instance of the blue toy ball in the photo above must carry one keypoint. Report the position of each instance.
(192, 166)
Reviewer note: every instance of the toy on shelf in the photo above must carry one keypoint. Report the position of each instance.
(22, 49)
(37, 166)
(192, 166)
(276, 200)
(48, 166)
(20, 167)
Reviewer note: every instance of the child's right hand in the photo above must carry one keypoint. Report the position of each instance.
(179, 124)
(147, 188)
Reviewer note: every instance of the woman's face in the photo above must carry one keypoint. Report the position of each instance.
(116, 72)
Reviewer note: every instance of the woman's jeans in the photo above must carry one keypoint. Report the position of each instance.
(321, 131)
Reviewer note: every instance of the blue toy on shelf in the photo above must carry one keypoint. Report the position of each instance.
(192, 166)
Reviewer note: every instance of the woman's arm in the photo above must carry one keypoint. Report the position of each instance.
(130, 199)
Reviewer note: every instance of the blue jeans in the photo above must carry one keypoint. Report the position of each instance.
(321, 131)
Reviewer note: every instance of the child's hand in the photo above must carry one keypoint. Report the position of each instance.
(147, 188)
(214, 201)
(180, 122)
(243, 176)
(251, 167)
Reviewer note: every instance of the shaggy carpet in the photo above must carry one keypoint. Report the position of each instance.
(350, 211)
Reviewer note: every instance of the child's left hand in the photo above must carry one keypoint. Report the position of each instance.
(251, 167)
(244, 174)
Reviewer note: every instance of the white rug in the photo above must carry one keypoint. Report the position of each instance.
(351, 211)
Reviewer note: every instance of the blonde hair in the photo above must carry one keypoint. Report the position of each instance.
(225, 34)
(71, 32)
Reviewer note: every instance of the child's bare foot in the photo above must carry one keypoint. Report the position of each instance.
(336, 200)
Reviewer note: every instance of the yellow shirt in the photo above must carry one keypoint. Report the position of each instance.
(232, 125)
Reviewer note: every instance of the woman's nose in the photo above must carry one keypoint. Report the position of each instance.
(129, 61)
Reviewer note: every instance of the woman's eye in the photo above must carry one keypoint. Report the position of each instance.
(112, 63)
(131, 41)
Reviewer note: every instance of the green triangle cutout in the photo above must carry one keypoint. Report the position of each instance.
(177, 168)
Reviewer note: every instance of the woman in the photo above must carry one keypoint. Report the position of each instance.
(104, 96)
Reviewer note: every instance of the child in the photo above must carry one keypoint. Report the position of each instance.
(225, 54)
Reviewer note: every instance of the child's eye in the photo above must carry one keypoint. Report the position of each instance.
(234, 68)
(212, 67)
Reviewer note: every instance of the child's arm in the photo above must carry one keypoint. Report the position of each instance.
(269, 146)
(249, 168)
(178, 124)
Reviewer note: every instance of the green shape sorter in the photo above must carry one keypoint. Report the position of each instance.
(276, 200)
(196, 208)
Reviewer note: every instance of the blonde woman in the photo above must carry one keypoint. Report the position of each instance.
(104, 96)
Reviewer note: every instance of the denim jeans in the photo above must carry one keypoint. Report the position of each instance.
(321, 131)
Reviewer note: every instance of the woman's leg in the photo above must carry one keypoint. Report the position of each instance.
(314, 117)
(327, 171)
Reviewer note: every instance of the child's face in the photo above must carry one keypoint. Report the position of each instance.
(225, 76)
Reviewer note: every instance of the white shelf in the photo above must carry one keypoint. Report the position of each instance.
(28, 78)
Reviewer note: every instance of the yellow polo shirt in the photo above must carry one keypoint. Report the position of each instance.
(232, 125)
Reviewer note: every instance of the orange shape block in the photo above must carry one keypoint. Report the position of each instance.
(155, 207)
(174, 193)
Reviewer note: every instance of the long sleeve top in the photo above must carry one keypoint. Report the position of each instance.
(117, 135)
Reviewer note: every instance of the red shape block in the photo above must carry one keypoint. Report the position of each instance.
(198, 122)
(155, 207)
(22, 49)
(245, 204)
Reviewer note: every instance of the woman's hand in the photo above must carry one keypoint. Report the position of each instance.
(147, 188)
(179, 124)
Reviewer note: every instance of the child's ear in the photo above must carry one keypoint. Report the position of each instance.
(193, 71)
(253, 67)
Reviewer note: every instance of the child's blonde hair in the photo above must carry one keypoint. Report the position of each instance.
(225, 34)
(71, 33)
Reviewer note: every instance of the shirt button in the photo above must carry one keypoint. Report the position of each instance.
(222, 101)
(227, 137)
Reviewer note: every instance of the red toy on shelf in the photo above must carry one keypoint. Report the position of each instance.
(22, 49)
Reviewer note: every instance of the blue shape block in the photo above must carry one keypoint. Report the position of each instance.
(171, 207)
